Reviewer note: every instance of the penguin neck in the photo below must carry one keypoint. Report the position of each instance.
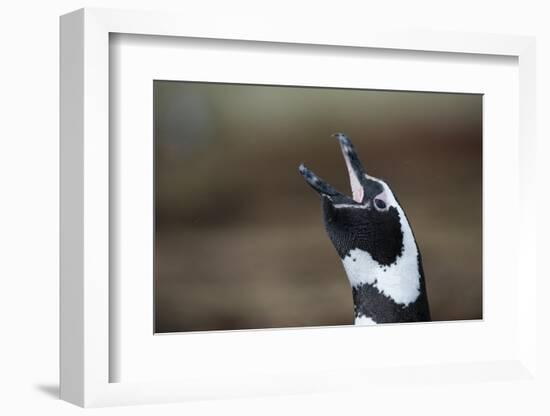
(400, 280)
(382, 292)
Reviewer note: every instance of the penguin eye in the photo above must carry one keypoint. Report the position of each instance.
(379, 203)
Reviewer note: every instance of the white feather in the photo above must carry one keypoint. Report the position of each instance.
(364, 320)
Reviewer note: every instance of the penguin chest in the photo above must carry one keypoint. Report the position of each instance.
(364, 320)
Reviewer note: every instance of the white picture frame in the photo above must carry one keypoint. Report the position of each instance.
(86, 353)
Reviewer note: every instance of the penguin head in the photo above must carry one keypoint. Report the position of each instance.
(371, 219)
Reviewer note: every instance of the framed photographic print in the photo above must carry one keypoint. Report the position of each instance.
(239, 212)
(240, 241)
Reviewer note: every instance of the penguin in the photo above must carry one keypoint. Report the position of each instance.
(375, 243)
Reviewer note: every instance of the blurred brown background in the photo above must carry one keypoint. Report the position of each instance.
(240, 241)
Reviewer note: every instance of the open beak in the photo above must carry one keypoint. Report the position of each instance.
(317, 183)
(355, 171)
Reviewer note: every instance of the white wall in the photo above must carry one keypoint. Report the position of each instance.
(29, 185)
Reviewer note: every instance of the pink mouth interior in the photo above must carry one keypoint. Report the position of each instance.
(356, 187)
